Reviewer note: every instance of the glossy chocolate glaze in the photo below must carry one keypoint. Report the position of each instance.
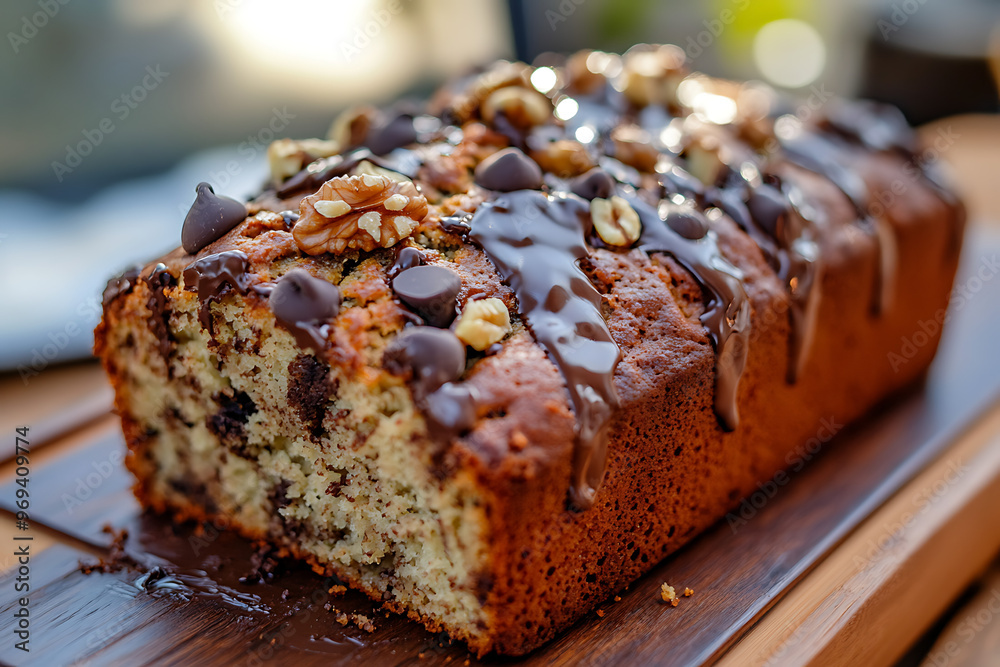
(210, 276)
(727, 308)
(536, 242)
(121, 284)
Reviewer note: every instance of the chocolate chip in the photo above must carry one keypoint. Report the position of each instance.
(509, 170)
(407, 257)
(594, 184)
(431, 291)
(688, 223)
(209, 218)
(303, 304)
(431, 357)
(388, 136)
(768, 206)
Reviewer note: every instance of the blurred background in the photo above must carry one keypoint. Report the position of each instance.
(112, 110)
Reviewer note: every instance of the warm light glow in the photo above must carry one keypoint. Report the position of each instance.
(585, 134)
(544, 79)
(321, 47)
(789, 53)
(566, 108)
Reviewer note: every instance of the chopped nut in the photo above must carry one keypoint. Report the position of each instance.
(652, 74)
(667, 593)
(704, 160)
(585, 71)
(633, 146)
(351, 126)
(366, 167)
(333, 209)
(564, 158)
(688, 592)
(523, 107)
(616, 221)
(287, 157)
(352, 212)
(483, 322)
(465, 102)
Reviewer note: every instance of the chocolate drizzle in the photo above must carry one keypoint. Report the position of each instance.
(536, 242)
(787, 239)
(823, 154)
(212, 276)
(727, 308)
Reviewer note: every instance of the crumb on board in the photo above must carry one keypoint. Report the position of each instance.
(337, 589)
(688, 592)
(360, 621)
(618, 598)
(600, 613)
(667, 593)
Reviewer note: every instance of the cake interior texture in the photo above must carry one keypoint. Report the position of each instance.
(500, 499)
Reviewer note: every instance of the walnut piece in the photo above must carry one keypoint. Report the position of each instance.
(564, 158)
(616, 221)
(364, 212)
(482, 323)
(287, 157)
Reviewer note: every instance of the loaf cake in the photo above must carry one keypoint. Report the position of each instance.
(490, 358)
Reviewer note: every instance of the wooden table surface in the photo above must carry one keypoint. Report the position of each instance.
(850, 563)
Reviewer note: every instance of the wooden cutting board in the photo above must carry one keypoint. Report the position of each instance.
(191, 598)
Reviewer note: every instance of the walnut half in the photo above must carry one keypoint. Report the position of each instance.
(365, 212)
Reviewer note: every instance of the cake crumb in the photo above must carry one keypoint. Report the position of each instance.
(518, 441)
(337, 589)
(673, 603)
(667, 593)
(618, 598)
(688, 592)
(600, 613)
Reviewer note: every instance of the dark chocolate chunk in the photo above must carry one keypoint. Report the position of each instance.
(213, 276)
(431, 291)
(407, 257)
(303, 305)
(687, 222)
(209, 218)
(393, 133)
(234, 412)
(430, 357)
(594, 184)
(121, 284)
(509, 170)
(309, 390)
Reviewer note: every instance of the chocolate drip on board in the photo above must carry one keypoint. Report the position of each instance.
(536, 242)
(727, 308)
